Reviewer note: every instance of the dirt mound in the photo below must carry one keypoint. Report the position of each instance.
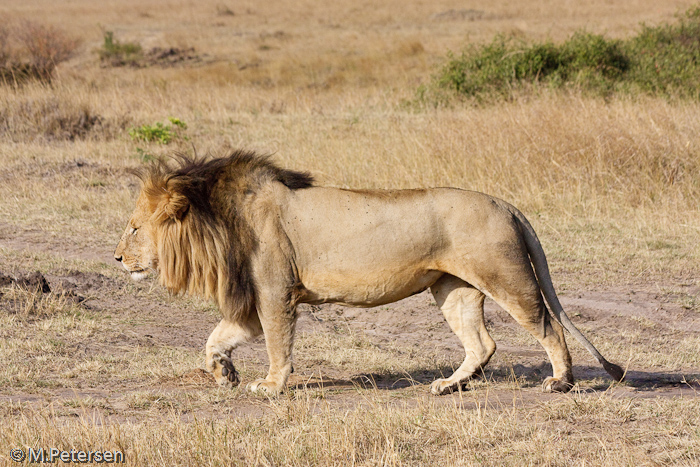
(163, 57)
(197, 377)
(69, 284)
(34, 281)
(166, 57)
(83, 282)
(459, 15)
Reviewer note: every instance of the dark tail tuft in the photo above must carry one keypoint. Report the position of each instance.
(614, 370)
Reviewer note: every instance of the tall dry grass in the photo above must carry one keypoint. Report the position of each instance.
(302, 431)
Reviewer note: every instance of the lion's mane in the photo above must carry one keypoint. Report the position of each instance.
(203, 234)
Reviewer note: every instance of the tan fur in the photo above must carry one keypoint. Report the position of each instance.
(259, 240)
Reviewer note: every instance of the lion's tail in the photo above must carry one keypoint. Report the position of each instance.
(539, 261)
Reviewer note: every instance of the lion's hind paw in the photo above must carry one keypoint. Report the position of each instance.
(552, 384)
(440, 387)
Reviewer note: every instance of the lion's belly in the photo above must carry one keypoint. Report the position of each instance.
(366, 289)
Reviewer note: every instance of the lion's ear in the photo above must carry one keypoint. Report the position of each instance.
(177, 206)
(173, 205)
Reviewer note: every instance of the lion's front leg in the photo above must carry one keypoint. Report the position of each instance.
(222, 341)
(278, 323)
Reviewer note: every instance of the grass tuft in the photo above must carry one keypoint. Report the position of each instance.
(49, 116)
(31, 303)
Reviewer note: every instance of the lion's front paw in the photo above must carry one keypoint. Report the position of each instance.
(229, 377)
(265, 387)
(553, 384)
(225, 373)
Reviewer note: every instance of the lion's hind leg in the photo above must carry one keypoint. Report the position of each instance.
(524, 302)
(463, 308)
(222, 341)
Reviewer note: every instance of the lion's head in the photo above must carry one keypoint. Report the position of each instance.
(190, 226)
(137, 248)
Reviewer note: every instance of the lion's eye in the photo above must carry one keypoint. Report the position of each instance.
(133, 231)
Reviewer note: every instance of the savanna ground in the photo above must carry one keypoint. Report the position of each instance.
(94, 361)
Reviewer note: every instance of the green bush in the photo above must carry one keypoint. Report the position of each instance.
(116, 53)
(144, 156)
(586, 59)
(661, 60)
(160, 133)
(666, 58)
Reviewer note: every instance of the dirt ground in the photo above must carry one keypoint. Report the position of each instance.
(645, 314)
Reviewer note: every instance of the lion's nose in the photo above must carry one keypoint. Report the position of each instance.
(118, 258)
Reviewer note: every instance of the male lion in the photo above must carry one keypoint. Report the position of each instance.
(259, 240)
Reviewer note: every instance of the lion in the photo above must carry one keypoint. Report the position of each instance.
(259, 240)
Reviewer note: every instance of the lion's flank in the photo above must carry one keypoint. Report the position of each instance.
(203, 235)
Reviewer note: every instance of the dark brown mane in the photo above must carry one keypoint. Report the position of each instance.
(203, 171)
(205, 241)
(244, 163)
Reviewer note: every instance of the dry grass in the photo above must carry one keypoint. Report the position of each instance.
(305, 431)
(611, 187)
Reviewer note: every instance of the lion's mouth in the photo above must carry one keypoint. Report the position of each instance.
(138, 274)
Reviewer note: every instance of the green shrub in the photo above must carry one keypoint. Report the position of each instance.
(586, 59)
(666, 58)
(144, 156)
(116, 53)
(661, 60)
(160, 133)
(592, 61)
